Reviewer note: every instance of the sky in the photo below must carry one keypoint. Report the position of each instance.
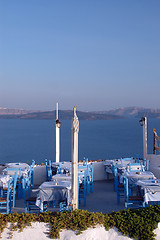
(98, 55)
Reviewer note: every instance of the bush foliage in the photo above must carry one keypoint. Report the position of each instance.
(137, 224)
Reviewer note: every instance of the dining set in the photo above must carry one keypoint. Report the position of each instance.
(133, 181)
(16, 182)
(11, 178)
(57, 190)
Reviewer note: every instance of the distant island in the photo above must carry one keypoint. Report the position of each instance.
(119, 113)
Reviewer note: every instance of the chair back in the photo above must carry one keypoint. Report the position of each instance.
(63, 207)
(59, 169)
(146, 164)
(85, 161)
(131, 200)
(26, 185)
(136, 158)
(32, 172)
(29, 202)
(83, 187)
(91, 171)
(126, 189)
(11, 172)
(5, 202)
(134, 167)
(13, 194)
(9, 193)
(126, 160)
(48, 169)
(15, 177)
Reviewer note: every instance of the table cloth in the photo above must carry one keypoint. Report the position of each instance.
(51, 191)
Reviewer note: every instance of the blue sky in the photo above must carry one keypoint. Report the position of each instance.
(97, 55)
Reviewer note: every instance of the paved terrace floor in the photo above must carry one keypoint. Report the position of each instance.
(103, 199)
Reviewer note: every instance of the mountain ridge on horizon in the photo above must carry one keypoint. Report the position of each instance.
(119, 113)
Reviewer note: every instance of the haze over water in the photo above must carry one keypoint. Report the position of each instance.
(24, 140)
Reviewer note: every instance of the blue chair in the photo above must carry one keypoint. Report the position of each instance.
(85, 161)
(85, 169)
(5, 202)
(13, 193)
(91, 171)
(134, 167)
(119, 187)
(48, 170)
(63, 207)
(26, 186)
(132, 201)
(29, 202)
(11, 172)
(83, 189)
(32, 172)
(113, 174)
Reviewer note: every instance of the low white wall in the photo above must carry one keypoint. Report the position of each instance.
(99, 171)
(154, 164)
(40, 173)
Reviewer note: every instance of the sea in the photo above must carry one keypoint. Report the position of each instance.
(22, 140)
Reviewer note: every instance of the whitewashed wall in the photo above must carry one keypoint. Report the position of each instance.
(39, 174)
(154, 164)
(99, 171)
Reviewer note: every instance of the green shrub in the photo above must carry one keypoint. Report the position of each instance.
(137, 224)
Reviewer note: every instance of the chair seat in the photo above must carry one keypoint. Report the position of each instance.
(3, 199)
(135, 198)
(31, 199)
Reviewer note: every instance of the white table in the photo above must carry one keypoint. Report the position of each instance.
(25, 168)
(49, 191)
(62, 177)
(66, 177)
(151, 189)
(4, 180)
(134, 176)
(18, 165)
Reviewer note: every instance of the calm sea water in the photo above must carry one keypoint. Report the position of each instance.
(24, 140)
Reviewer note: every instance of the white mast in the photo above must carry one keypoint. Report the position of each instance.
(58, 125)
(145, 138)
(143, 122)
(75, 130)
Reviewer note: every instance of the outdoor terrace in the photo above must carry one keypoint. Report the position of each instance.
(103, 199)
